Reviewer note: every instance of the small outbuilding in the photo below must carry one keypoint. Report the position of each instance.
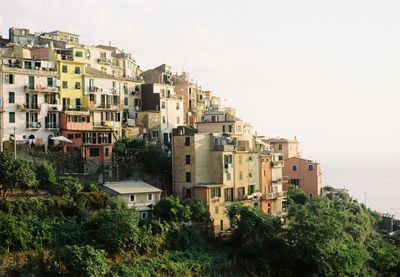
(135, 193)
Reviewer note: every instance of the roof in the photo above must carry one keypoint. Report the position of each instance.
(302, 159)
(277, 140)
(130, 187)
(106, 47)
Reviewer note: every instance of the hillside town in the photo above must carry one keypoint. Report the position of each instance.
(57, 94)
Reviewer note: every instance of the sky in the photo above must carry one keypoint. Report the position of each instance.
(324, 71)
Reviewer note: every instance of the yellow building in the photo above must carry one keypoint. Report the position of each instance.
(71, 68)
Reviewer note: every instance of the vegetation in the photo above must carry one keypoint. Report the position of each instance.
(75, 230)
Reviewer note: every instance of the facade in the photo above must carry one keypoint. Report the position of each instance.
(192, 95)
(288, 147)
(162, 98)
(29, 98)
(304, 174)
(220, 169)
(136, 194)
(150, 124)
(225, 121)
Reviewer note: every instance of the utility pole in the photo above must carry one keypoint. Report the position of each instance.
(15, 144)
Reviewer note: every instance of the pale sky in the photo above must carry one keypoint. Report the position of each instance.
(325, 71)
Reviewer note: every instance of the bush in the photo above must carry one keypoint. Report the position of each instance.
(199, 211)
(69, 185)
(47, 176)
(171, 209)
(85, 261)
(116, 230)
(14, 233)
(93, 200)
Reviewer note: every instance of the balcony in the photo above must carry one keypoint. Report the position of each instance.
(52, 125)
(33, 125)
(104, 61)
(42, 89)
(27, 107)
(270, 196)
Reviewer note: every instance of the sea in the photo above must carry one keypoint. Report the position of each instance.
(375, 183)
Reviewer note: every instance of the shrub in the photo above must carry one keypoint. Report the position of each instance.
(171, 209)
(85, 261)
(69, 185)
(47, 176)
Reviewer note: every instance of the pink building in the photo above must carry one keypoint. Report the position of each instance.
(304, 174)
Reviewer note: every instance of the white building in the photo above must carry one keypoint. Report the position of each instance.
(29, 100)
(162, 97)
(137, 194)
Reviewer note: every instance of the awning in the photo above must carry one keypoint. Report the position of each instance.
(62, 138)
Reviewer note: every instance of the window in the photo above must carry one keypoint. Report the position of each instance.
(162, 105)
(77, 70)
(50, 82)
(11, 97)
(240, 175)
(294, 167)
(31, 83)
(65, 84)
(241, 192)
(228, 193)
(187, 141)
(228, 159)
(187, 159)
(149, 196)
(280, 157)
(70, 136)
(215, 192)
(143, 215)
(132, 198)
(64, 69)
(294, 182)
(280, 146)
(77, 85)
(251, 189)
(177, 106)
(187, 193)
(178, 120)
(163, 119)
(216, 210)
(78, 54)
(94, 152)
(9, 79)
(188, 176)
(310, 167)
(11, 117)
(78, 135)
(107, 152)
(126, 101)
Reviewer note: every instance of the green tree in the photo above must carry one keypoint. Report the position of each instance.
(85, 261)
(14, 233)
(69, 185)
(170, 208)
(199, 211)
(47, 176)
(115, 229)
(24, 175)
(15, 173)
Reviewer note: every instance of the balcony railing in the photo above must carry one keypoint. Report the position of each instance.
(38, 88)
(51, 125)
(104, 61)
(33, 125)
(29, 106)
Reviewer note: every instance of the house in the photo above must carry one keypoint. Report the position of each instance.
(135, 193)
(304, 174)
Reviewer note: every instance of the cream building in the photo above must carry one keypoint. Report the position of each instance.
(29, 93)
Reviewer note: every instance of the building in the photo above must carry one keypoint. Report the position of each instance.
(136, 194)
(287, 147)
(162, 98)
(304, 174)
(29, 97)
(192, 95)
(220, 169)
(149, 123)
(224, 120)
